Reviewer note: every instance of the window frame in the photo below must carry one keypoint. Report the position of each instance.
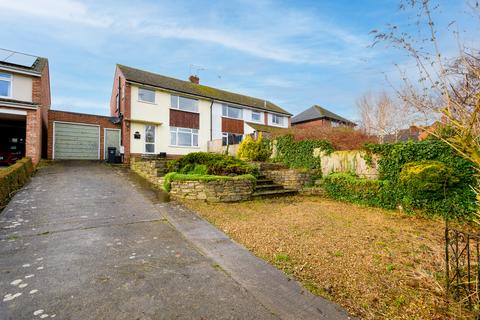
(259, 114)
(177, 107)
(149, 142)
(193, 133)
(146, 101)
(225, 135)
(9, 79)
(278, 117)
(226, 107)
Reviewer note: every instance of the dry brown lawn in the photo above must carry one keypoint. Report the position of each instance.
(377, 264)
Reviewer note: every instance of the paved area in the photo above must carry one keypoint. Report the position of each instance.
(83, 240)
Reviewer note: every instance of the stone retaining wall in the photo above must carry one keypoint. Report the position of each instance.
(147, 169)
(213, 191)
(294, 179)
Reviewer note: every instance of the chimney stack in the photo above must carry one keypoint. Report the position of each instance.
(194, 79)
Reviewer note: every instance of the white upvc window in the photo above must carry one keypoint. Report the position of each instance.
(183, 137)
(231, 112)
(276, 119)
(146, 95)
(149, 139)
(256, 116)
(231, 138)
(5, 85)
(184, 104)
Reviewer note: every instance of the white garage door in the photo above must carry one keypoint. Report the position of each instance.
(76, 141)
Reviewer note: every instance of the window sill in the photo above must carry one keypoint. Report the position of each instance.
(240, 119)
(195, 112)
(148, 102)
(185, 147)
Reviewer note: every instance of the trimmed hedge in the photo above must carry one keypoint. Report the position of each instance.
(174, 176)
(13, 178)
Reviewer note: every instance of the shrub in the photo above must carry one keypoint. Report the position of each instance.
(258, 150)
(342, 138)
(427, 179)
(299, 154)
(13, 178)
(174, 176)
(215, 164)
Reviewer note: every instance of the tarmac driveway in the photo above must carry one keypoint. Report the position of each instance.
(84, 240)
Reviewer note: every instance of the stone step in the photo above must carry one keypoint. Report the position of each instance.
(273, 193)
(264, 181)
(268, 187)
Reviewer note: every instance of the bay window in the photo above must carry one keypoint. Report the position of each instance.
(183, 137)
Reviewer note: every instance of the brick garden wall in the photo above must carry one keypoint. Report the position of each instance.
(102, 121)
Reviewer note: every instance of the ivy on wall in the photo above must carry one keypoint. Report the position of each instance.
(299, 154)
(427, 176)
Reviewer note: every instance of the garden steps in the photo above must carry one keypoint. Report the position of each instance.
(267, 188)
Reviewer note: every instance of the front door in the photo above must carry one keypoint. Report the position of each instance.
(112, 139)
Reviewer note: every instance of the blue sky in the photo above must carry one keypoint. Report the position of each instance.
(295, 54)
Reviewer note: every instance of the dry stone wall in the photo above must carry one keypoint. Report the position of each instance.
(294, 179)
(213, 191)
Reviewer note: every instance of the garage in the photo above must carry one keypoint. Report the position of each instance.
(12, 136)
(76, 141)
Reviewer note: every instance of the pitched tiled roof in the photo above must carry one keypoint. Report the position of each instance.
(316, 112)
(157, 80)
(263, 128)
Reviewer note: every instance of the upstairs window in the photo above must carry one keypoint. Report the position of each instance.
(5, 85)
(184, 104)
(146, 95)
(256, 116)
(278, 120)
(231, 112)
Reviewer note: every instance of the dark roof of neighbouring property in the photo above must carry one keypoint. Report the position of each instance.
(316, 112)
(37, 66)
(157, 80)
(263, 128)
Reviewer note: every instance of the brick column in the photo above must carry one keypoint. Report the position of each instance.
(33, 141)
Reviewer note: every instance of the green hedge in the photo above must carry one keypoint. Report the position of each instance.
(426, 176)
(299, 154)
(174, 176)
(13, 178)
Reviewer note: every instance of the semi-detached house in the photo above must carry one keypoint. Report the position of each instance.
(159, 114)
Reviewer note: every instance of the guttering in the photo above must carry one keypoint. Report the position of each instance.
(18, 105)
(17, 70)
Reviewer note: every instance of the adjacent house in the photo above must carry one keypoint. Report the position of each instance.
(24, 105)
(159, 114)
(317, 116)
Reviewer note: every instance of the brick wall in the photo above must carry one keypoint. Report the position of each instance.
(41, 96)
(102, 121)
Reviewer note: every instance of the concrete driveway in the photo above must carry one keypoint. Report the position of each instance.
(84, 240)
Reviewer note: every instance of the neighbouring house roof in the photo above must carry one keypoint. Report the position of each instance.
(263, 128)
(17, 61)
(157, 80)
(315, 113)
(413, 133)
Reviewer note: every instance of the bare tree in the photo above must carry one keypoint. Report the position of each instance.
(446, 85)
(383, 116)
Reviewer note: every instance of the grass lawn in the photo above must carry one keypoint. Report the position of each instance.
(377, 264)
